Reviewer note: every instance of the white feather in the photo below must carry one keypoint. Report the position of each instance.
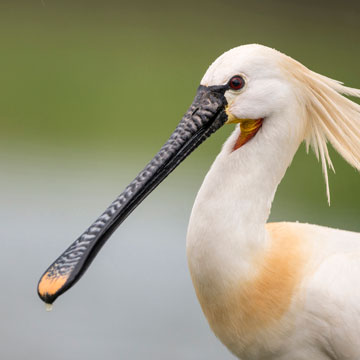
(288, 290)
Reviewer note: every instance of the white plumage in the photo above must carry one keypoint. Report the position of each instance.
(286, 290)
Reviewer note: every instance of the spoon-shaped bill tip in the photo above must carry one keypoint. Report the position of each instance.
(49, 286)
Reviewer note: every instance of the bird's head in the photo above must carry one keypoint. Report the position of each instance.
(258, 91)
(250, 85)
(257, 86)
(272, 91)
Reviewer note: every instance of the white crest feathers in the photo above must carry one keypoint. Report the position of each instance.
(330, 115)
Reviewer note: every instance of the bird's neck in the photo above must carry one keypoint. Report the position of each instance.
(227, 225)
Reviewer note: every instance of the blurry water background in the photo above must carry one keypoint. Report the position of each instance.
(89, 91)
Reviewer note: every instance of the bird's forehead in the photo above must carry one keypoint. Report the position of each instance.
(250, 60)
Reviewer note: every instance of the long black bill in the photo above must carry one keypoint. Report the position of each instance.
(205, 116)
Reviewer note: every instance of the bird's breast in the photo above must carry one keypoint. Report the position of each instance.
(256, 305)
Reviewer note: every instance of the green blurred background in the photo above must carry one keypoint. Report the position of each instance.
(89, 91)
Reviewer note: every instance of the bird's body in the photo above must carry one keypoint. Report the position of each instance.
(271, 291)
(281, 291)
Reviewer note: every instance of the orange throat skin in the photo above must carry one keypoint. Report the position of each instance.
(248, 129)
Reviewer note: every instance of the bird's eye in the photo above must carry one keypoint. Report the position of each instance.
(237, 82)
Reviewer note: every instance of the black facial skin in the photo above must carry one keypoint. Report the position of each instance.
(205, 115)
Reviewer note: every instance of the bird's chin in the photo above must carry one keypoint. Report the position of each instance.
(248, 129)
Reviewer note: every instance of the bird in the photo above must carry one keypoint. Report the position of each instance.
(271, 291)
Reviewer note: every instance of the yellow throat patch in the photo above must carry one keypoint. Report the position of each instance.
(248, 128)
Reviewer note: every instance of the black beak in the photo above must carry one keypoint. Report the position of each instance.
(205, 115)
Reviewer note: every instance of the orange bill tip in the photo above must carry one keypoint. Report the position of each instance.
(50, 284)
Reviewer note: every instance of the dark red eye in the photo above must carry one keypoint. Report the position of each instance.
(237, 82)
